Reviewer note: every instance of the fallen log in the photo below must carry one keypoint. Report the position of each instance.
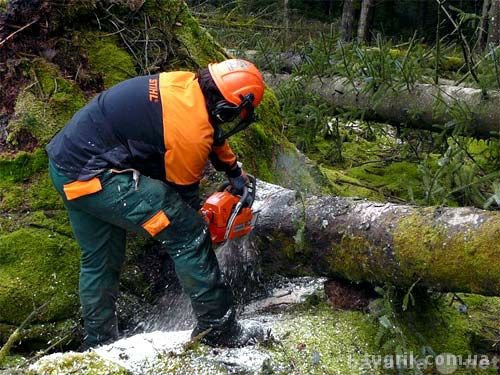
(446, 249)
(423, 106)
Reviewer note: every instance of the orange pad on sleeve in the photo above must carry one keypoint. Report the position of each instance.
(77, 189)
(157, 223)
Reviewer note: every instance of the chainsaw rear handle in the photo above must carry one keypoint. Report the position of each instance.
(246, 191)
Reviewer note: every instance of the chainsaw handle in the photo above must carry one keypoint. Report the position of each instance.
(253, 182)
(246, 191)
(227, 185)
(224, 186)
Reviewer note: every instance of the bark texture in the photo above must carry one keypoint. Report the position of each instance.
(483, 25)
(365, 19)
(447, 249)
(424, 106)
(347, 22)
(494, 30)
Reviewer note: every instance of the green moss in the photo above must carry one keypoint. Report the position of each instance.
(195, 361)
(42, 195)
(88, 363)
(346, 186)
(106, 57)
(37, 266)
(196, 42)
(445, 327)
(366, 168)
(23, 165)
(35, 336)
(52, 220)
(63, 96)
(258, 146)
(45, 107)
(36, 193)
(484, 314)
(11, 197)
(451, 63)
(464, 261)
(24, 183)
(290, 261)
(321, 341)
(400, 179)
(12, 361)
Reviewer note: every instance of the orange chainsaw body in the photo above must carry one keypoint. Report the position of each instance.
(217, 211)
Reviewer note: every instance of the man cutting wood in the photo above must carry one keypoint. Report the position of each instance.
(132, 160)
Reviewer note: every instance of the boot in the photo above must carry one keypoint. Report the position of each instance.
(235, 335)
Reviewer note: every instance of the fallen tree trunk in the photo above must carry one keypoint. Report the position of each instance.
(424, 106)
(446, 249)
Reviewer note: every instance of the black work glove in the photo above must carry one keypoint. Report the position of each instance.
(239, 182)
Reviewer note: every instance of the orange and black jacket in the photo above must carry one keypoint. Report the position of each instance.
(158, 125)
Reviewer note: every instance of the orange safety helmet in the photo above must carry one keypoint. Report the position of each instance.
(236, 78)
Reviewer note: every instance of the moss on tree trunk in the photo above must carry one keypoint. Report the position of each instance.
(446, 249)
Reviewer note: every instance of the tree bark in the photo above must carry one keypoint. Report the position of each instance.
(285, 14)
(483, 26)
(424, 106)
(347, 22)
(494, 24)
(446, 249)
(364, 20)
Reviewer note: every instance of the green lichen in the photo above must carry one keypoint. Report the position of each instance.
(37, 266)
(106, 57)
(88, 363)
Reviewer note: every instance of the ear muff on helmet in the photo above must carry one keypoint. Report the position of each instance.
(225, 112)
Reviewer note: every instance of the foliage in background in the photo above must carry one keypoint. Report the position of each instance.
(443, 168)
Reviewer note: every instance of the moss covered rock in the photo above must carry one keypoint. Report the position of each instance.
(37, 266)
(71, 363)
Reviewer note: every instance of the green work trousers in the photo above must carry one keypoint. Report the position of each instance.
(100, 221)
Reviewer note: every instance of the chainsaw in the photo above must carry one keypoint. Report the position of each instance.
(229, 215)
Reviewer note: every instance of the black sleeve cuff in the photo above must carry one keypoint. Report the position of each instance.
(234, 172)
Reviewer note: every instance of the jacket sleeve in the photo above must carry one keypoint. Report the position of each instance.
(224, 159)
